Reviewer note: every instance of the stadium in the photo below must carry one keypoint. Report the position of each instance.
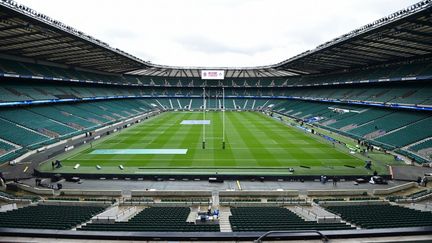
(333, 144)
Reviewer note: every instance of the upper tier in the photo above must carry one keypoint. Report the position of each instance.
(414, 71)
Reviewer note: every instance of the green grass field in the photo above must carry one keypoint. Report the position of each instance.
(255, 144)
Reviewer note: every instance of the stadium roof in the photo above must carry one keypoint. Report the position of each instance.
(25, 32)
(397, 37)
(403, 35)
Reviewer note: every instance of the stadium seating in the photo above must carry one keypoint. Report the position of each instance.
(409, 134)
(34, 126)
(5, 147)
(412, 155)
(36, 122)
(408, 93)
(361, 118)
(155, 219)
(67, 118)
(274, 218)
(166, 104)
(10, 94)
(423, 145)
(382, 127)
(30, 90)
(19, 135)
(389, 122)
(382, 216)
(423, 149)
(48, 217)
(88, 115)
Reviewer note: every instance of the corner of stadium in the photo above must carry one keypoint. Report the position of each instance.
(331, 145)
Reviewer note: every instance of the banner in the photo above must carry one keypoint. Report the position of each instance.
(213, 74)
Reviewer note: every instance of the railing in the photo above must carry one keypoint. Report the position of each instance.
(116, 217)
(308, 212)
(262, 237)
(316, 217)
(426, 206)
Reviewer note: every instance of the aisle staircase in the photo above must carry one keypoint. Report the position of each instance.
(224, 223)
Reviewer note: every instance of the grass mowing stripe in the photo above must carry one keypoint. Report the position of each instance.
(262, 156)
(191, 136)
(223, 157)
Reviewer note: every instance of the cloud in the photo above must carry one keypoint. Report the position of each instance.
(216, 32)
(212, 46)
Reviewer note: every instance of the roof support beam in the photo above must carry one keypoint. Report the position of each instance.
(190, 74)
(152, 72)
(281, 73)
(56, 52)
(52, 48)
(185, 74)
(75, 55)
(91, 61)
(140, 72)
(364, 55)
(320, 63)
(294, 71)
(177, 73)
(421, 22)
(11, 27)
(335, 60)
(5, 17)
(240, 72)
(346, 58)
(13, 37)
(383, 49)
(89, 57)
(97, 62)
(425, 43)
(124, 70)
(397, 45)
(313, 68)
(34, 43)
(167, 72)
(159, 72)
(99, 65)
(414, 32)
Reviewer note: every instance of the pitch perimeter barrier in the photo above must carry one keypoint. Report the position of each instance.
(179, 193)
(394, 189)
(80, 192)
(342, 192)
(35, 190)
(259, 193)
(73, 203)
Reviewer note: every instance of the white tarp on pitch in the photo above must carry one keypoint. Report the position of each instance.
(139, 151)
(195, 122)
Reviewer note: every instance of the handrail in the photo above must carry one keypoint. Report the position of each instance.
(262, 237)
(309, 212)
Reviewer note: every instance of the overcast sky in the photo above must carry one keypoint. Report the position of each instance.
(233, 33)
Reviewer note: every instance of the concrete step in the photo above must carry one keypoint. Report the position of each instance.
(224, 224)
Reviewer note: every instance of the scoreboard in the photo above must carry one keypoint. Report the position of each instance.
(213, 74)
